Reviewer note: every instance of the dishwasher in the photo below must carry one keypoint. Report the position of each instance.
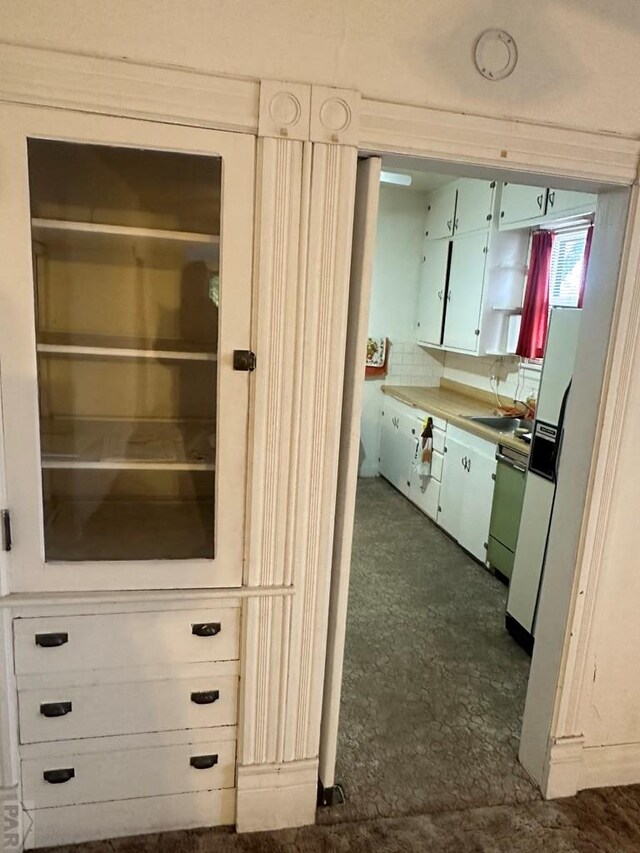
(506, 510)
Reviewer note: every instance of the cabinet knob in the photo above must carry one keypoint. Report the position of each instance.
(203, 762)
(58, 777)
(206, 629)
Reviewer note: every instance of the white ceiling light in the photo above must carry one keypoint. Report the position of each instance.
(395, 178)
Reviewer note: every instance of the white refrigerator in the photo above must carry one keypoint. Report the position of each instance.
(542, 473)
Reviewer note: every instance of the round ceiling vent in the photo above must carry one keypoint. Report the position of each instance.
(496, 54)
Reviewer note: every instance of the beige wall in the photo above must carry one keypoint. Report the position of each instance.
(579, 61)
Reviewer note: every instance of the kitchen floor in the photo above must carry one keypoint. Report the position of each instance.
(433, 687)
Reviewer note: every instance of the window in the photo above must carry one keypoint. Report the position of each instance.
(567, 260)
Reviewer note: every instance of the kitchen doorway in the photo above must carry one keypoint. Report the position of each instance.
(561, 543)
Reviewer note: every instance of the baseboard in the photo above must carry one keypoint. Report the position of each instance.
(15, 823)
(276, 796)
(618, 764)
(564, 774)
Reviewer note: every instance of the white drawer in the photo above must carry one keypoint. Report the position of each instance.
(109, 640)
(128, 708)
(437, 461)
(126, 774)
(438, 434)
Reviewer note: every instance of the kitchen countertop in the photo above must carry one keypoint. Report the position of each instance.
(456, 403)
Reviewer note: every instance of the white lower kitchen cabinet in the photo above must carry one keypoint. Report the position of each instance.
(467, 490)
(397, 444)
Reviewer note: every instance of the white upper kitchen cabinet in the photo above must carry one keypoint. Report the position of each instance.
(126, 291)
(465, 290)
(431, 291)
(563, 203)
(521, 204)
(441, 212)
(474, 208)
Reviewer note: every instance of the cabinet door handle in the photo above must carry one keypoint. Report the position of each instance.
(551, 197)
(439, 294)
(49, 641)
(448, 296)
(205, 697)
(55, 709)
(58, 777)
(206, 629)
(455, 224)
(469, 465)
(540, 200)
(204, 762)
(449, 221)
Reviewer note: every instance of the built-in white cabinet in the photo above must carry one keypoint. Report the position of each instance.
(524, 205)
(441, 212)
(464, 291)
(129, 293)
(460, 207)
(466, 493)
(432, 291)
(400, 442)
(474, 208)
(397, 443)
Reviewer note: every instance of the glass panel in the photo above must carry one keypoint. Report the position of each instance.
(126, 248)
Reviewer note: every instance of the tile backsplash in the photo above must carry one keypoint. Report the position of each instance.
(410, 364)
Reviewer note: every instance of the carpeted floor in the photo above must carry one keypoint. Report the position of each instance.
(433, 693)
(433, 687)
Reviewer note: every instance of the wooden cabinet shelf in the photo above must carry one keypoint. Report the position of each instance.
(127, 445)
(113, 346)
(156, 245)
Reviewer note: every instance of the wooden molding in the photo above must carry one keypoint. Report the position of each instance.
(121, 88)
(283, 179)
(285, 110)
(275, 796)
(563, 776)
(335, 116)
(9, 764)
(625, 331)
(317, 439)
(497, 143)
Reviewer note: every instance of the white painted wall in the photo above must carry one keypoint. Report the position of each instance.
(512, 379)
(578, 59)
(394, 293)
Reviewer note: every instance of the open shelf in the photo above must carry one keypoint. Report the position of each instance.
(129, 530)
(112, 346)
(93, 238)
(127, 445)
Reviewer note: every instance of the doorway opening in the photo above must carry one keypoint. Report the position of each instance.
(486, 289)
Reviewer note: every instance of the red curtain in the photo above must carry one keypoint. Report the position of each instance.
(535, 310)
(585, 264)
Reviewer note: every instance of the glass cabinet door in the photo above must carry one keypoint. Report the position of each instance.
(131, 313)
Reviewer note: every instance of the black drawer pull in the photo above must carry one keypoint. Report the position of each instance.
(58, 777)
(206, 697)
(204, 762)
(49, 641)
(206, 629)
(55, 709)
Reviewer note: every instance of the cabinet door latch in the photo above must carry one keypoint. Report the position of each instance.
(244, 359)
(5, 532)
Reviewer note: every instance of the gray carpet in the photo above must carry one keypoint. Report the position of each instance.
(433, 687)
(433, 693)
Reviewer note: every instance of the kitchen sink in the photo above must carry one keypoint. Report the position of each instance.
(502, 424)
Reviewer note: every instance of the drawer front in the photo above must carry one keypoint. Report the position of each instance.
(64, 643)
(128, 708)
(438, 440)
(126, 774)
(437, 461)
